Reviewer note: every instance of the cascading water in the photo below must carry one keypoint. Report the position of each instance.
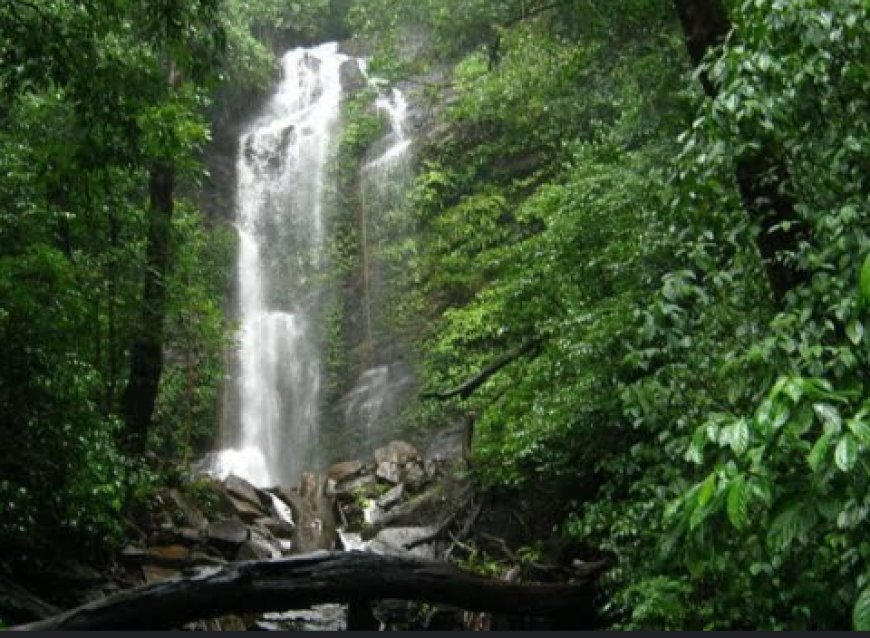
(281, 170)
(380, 389)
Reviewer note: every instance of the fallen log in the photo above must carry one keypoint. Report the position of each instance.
(321, 577)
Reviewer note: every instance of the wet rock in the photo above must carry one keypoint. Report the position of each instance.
(414, 476)
(426, 509)
(365, 485)
(342, 471)
(449, 446)
(398, 615)
(246, 510)
(132, 554)
(308, 485)
(388, 471)
(393, 497)
(258, 549)
(315, 523)
(373, 514)
(153, 573)
(224, 623)
(169, 553)
(351, 541)
(205, 556)
(227, 532)
(330, 617)
(278, 529)
(241, 489)
(351, 76)
(290, 497)
(281, 511)
(189, 513)
(398, 452)
(171, 535)
(395, 541)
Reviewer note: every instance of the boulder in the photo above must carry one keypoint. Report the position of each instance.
(290, 498)
(153, 573)
(166, 554)
(414, 475)
(372, 514)
(278, 529)
(173, 535)
(281, 511)
(190, 515)
(388, 471)
(351, 76)
(224, 623)
(365, 485)
(315, 525)
(246, 510)
(133, 554)
(342, 471)
(241, 489)
(449, 446)
(398, 452)
(206, 556)
(393, 541)
(227, 532)
(391, 498)
(421, 511)
(258, 549)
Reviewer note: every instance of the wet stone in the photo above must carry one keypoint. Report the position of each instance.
(342, 471)
(241, 489)
(246, 510)
(393, 497)
(228, 531)
(398, 452)
(367, 485)
(388, 471)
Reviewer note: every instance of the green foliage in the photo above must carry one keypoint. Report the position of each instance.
(93, 95)
(709, 437)
(205, 495)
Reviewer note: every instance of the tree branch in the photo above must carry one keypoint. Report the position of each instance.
(301, 581)
(466, 388)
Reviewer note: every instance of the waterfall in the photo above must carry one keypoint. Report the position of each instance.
(281, 168)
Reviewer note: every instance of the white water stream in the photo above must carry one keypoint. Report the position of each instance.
(282, 172)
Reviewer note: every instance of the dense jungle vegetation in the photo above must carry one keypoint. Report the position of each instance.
(635, 251)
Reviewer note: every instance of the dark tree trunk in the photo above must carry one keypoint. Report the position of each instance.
(302, 581)
(761, 177)
(146, 357)
(705, 25)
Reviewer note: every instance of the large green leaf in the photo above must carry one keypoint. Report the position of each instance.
(846, 453)
(819, 451)
(792, 523)
(864, 284)
(737, 503)
(861, 611)
(740, 436)
(830, 416)
(860, 428)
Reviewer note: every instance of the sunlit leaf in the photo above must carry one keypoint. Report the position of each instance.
(737, 502)
(846, 453)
